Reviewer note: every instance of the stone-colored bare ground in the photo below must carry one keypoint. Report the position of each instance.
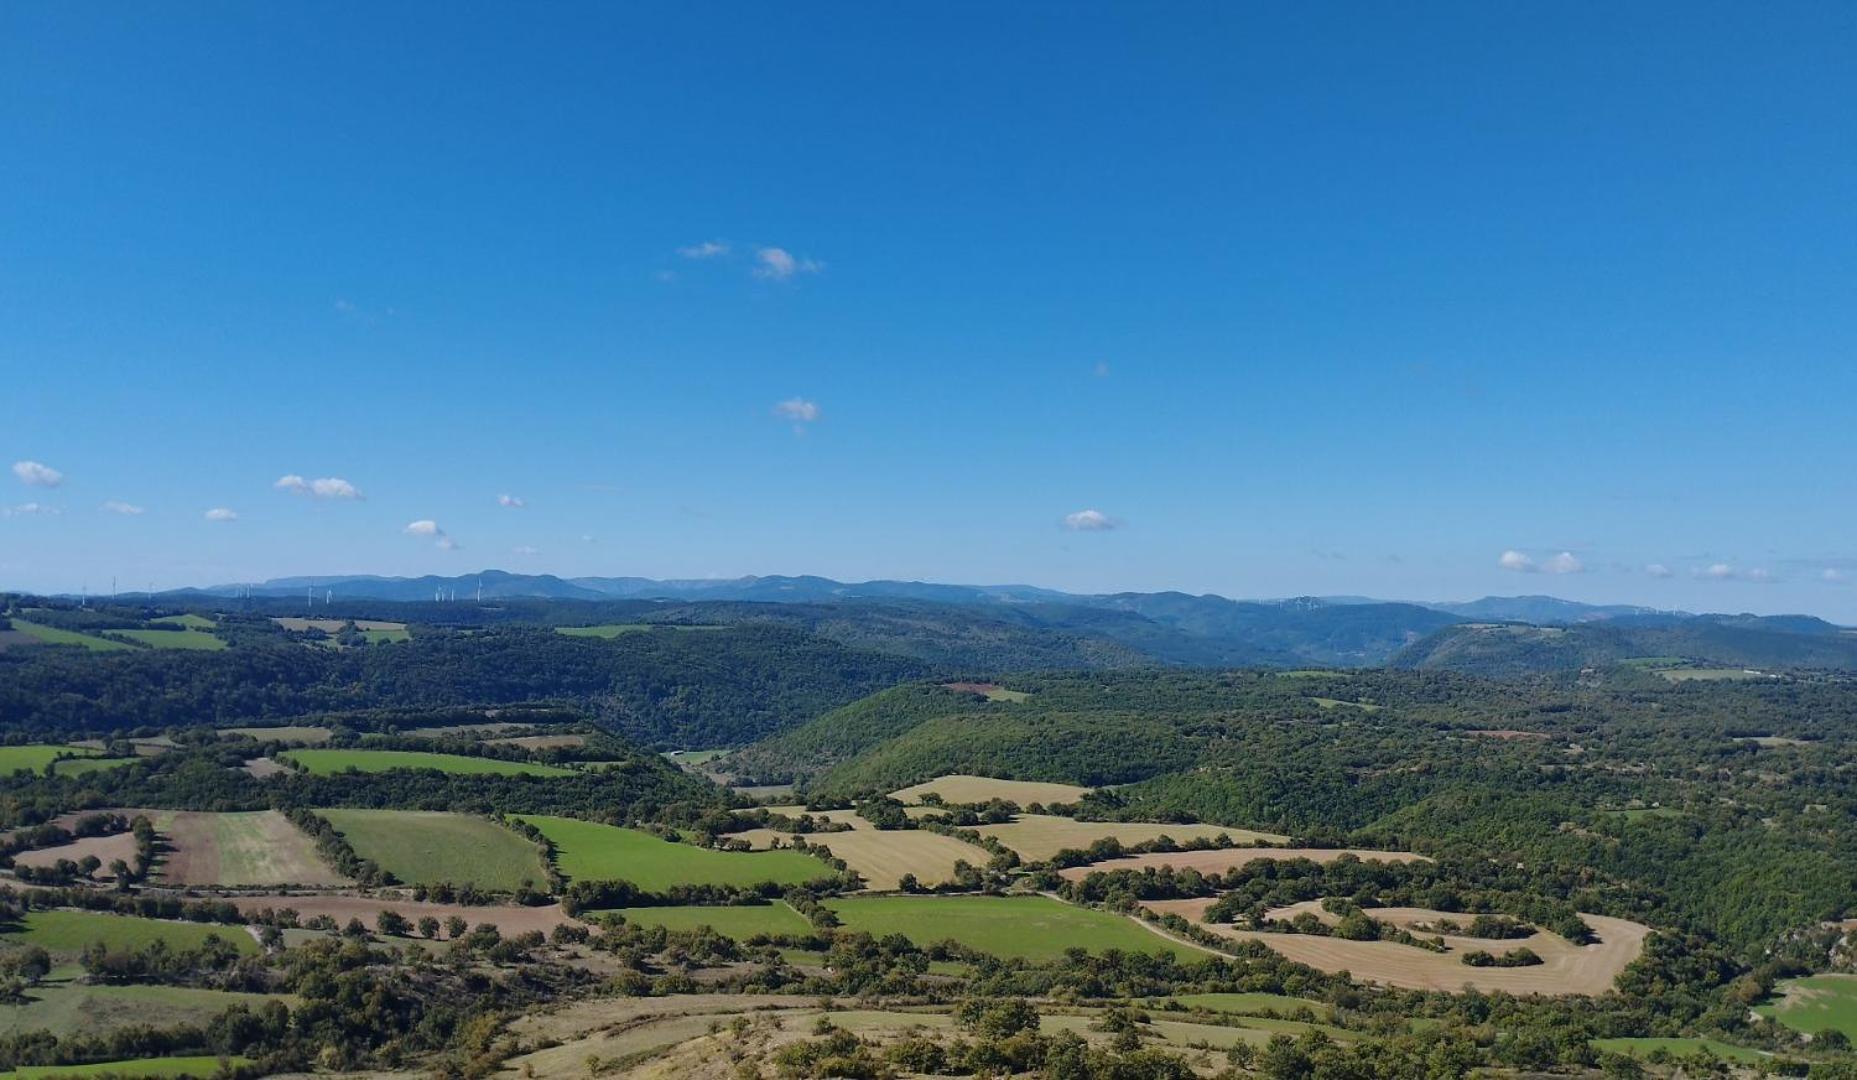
(1222, 860)
(1039, 836)
(264, 768)
(239, 849)
(966, 789)
(107, 848)
(1566, 968)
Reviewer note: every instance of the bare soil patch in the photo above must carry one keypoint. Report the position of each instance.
(1040, 836)
(107, 848)
(966, 789)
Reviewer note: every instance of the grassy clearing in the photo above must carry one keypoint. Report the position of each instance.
(1255, 1004)
(190, 621)
(428, 847)
(1700, 674)
(1039, 836)
(71, 1008)
(1680, 1048)
(588, 851)
(62, 931)
(990, 691)
(328, 762)
(967, 789)
(693, 757)
(613, 630)
(174, 639)
(1337, 703)
(51, 635)
(35, 757)
(1814, 1004)
(387, 637)
(738, 922)
(1028, 927)
(171, 1068)
(288, 733)
(1644, 813)
(80, 766)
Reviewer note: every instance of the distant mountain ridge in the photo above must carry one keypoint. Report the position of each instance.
(930, 619)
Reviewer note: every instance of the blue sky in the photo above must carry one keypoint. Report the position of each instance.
(1353, 300)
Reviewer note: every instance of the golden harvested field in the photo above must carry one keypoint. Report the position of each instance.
(1220, 861)
(882, 858)
(1037, 837)
(509, 919)
(107, 848)
(259, 847)
(1567, 968)
(968, 789)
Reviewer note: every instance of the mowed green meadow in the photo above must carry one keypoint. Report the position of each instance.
(739, 921)
(1009, 927)
(51, 635)
(72, 1008)
(175, 639)
(327, 762)
(36, 756)
(63, 931)
(588, 851)
(171, 1068)
(1814, 1004)
(80, 766)
(423, 847)
(613, 630)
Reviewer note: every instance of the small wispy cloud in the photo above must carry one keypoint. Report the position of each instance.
(799, 410)
(779, 264)
(1089, 521)
(37, 474)
(511, 502)
(1761, 576)
(328, 487)
(1563, 563)
(525, 550)
(1101, 370)
(426, 527)
(1659, 570)
(1722, 571)
(220, 513)
(31, 509)
(708, 249)
(117, 506)
(1833, 576)
(1522, 563)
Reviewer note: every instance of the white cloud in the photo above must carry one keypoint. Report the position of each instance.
(1658, 570)
(708, 249)
(328, 487)
(37, 474)
(525, 550)
(511, 502)
(31, 509)
(1102, 369)
(1564, 563)
(1515, 560)
(1089, 521)
(779, 264)
(1720, 571)
(798, 410)
(117, 506)
(1835, 577)
(220, 513)
(428, 527)
(1761, 576)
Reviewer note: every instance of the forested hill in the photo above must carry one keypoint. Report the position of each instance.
(1507, 649)
(667, 688)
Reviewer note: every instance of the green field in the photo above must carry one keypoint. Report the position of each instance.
(71, 1008)
(63, 931)
(327, 762)
(1702, 674)
(386, 637)
(51, 635)
(1680, 1048)
(190, 621)
(1254, 1004)
(174, 639)
(588, 851)
(1814, 1004)
(736, 922)
(694, 757)
(36, 756)
(427, 847)
(84, 765)
(201, 1068)
(1023, 927)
